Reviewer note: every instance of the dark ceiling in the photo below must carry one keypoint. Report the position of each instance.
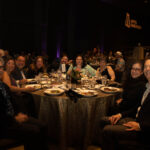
(141, 7)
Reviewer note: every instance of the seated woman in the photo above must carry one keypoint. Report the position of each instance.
(105, 70)
(37, 67)
(9, 80)
(133, 89)
(19, 126)
(81, 67)
(24, 102)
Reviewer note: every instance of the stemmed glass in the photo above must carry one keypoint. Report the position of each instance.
(104, 80)
(59, 75)
(38, 79)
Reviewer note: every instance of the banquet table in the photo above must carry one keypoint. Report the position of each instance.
(69, 122)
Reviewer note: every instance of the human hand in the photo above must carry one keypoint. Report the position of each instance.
(29, 89)
(114, 118)
(118, 101)
(70, 61)
(20, 118)
(134, 126)
(23, 81)
(78, 69)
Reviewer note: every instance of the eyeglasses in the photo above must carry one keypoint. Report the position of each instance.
(136, 69)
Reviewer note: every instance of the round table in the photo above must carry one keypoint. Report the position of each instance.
(72, 123)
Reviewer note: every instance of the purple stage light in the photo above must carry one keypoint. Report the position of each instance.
(58, 51)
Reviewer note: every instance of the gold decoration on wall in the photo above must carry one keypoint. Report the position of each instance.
(131, 23)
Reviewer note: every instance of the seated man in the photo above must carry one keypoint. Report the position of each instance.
(120, 66)
(128, 129)
(19, 126)
(19, 73)
(64, 64)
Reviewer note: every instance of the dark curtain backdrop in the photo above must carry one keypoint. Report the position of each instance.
(21, 25)
(82, 25)
(17, 25)
(71, 26)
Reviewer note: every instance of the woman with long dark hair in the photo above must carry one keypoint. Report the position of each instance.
(24, 101)
(8, 78)
(37, 67)
(81, 67)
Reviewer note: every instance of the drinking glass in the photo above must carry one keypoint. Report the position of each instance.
(59, 76)
(68, 82)
(92, 83)
(104, 80)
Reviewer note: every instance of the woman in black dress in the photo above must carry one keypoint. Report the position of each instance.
(104, 69)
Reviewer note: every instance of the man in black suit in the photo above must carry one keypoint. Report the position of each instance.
(19, 73)
(64, 64)
(128, 129)
(22, 100)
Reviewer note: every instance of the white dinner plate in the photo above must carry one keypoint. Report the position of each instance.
(107, 89)
(54, 91)
(86, 93)
(36, 86)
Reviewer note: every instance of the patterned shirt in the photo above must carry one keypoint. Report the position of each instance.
(9, 108)
(86, 70)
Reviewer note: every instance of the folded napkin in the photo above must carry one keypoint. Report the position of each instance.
(73, 95)
(116, 84)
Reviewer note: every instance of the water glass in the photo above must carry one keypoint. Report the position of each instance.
(93, 83)
(59, 79)
(69, 85)
(104, 80)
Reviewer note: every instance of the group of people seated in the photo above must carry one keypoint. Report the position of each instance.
(128, 121)
(128, 118)
(113, 73)
(17, 123)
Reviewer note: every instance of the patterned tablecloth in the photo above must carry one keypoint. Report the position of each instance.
(72, 123)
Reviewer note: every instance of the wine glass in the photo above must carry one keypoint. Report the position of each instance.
(104, 80)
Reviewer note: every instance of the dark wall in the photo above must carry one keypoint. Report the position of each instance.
(16, 23)
(21, 25)
(71, 26)
(82, 25)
